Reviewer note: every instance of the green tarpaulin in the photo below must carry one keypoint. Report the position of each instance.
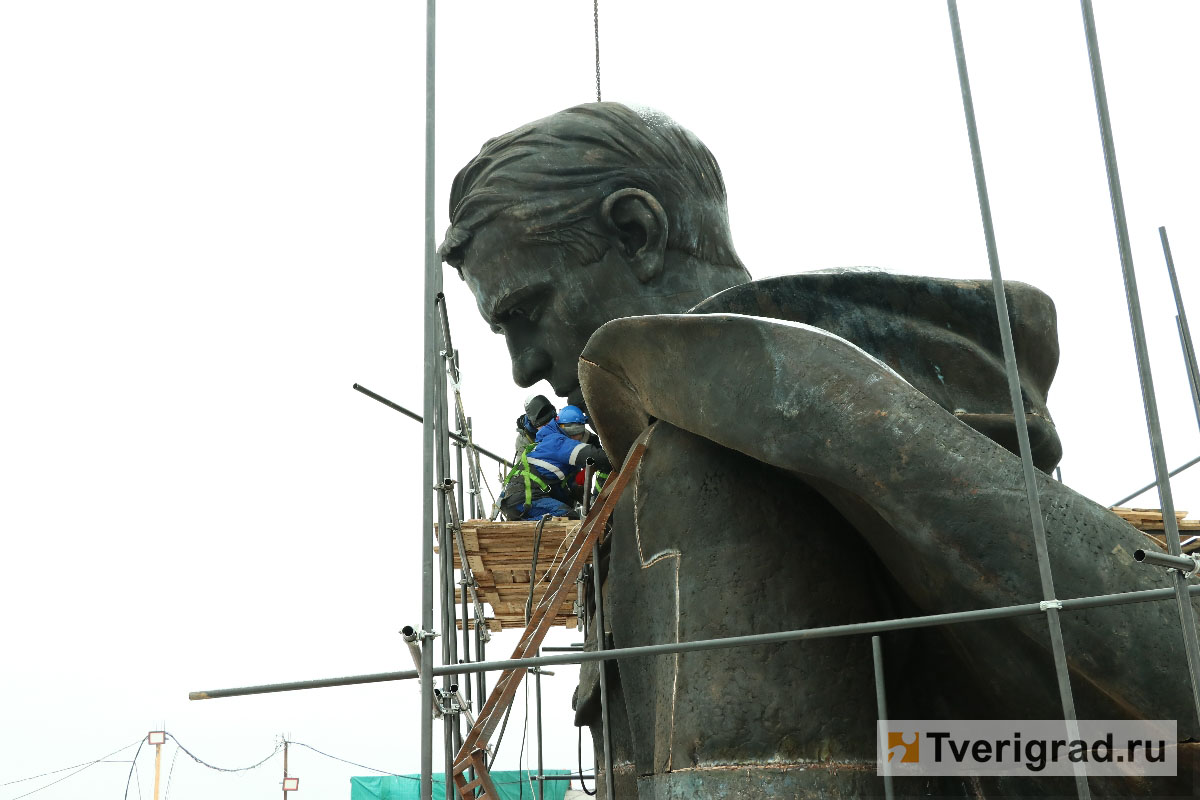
(511, 784)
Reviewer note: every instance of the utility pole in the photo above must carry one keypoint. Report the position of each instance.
(157, 738)
(285, 783)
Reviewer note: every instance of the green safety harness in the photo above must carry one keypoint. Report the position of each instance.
(529, 475)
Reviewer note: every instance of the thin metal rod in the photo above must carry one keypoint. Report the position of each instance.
(589, 472)
(481, 675)
(451, 733)
(1189, 362)
(803, 634)
(1149, 486)
(566, 777)
(600, 644)
(433, 279)
(881, 712)
(1185, 332)
(1167, 502)
(419, 418)
(1061, 670)
(476, 498)
(541, 772)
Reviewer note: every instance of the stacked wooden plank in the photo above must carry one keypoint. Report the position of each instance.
(1150, 521)
(501, 554)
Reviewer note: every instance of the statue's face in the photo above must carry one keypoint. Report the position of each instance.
(545, 302)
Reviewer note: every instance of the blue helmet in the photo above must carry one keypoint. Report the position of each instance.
(572, 415)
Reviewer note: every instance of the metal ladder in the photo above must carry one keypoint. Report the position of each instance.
(474, 753)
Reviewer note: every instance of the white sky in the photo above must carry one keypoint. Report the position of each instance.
(211, 226)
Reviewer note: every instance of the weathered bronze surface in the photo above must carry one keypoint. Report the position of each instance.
(829, 447)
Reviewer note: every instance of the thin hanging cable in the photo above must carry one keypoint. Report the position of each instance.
(202, 762)
(500, 738)
(171, 773)
(579, 753)
(132, 765)
(81, 768)
(354, 764)
(596, 28)
(521, 754)
(84, 764)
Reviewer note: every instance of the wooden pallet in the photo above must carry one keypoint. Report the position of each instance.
(472, 756)
(500, 555)
(1150, 520)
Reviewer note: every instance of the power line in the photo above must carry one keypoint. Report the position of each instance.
(353, 764)
(132, 766)
(64, 769)
(202, 762)
(167, 793)
(81, 768)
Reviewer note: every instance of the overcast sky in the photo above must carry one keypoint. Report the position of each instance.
(211, 227)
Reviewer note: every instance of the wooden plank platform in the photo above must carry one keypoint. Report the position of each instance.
(500, 554)
(1150, 520)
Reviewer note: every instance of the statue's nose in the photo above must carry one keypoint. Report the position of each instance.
(530, 365)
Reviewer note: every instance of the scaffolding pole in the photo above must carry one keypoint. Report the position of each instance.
(577, 656)
(1054, 624)
(1185, 331)
(1166, 500)
(433, 285)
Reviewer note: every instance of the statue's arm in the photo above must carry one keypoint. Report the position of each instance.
(942, 505)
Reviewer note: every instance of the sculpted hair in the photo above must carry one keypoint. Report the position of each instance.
(552, 175)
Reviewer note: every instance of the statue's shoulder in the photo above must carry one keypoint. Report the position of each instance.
(941, 334)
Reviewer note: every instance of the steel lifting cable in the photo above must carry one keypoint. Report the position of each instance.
(596, 29)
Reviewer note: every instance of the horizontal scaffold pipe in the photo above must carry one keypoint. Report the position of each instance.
(414, 415)
(581, 656)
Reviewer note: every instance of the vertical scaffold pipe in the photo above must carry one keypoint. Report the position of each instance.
(881, 711)
(1187, 616)
(450, 731)
(433, 280)
(1054, 623)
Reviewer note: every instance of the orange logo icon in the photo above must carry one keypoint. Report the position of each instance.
(906, 745)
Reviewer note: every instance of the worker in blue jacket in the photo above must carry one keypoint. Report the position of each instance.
(540, 484)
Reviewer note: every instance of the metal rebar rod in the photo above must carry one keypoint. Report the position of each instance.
(881, 712)
(1185, 331)
(433, 277)
(1149, 486)
(413, 415)
(1166, 500)
(1061, 670)
(566, 777)
(803, 634)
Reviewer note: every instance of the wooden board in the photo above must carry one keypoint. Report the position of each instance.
(1150, 520)
(500, 555)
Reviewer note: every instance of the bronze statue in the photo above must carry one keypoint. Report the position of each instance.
(827, 448)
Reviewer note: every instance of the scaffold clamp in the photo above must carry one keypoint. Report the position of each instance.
(1046, 605)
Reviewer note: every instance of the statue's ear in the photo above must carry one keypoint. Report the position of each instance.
(638, 224)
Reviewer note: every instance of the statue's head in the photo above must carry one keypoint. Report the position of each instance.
(594, 213)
